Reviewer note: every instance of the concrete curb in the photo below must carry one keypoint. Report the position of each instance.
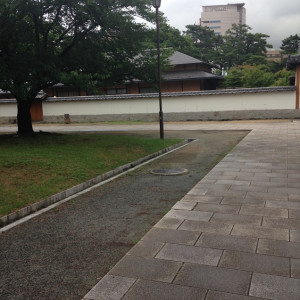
(19, 214)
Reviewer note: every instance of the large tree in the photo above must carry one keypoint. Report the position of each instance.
(237, 47)
(242, 47)
(290, 45)
(206, 43)
(45, 41)
(171, 37)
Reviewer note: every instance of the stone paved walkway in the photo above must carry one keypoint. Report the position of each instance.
(234, 236)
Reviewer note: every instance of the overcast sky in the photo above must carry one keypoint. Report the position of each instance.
(276, 18)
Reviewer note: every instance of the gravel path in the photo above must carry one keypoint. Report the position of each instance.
(62, 254)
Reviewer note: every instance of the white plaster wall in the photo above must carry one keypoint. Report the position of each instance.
(203, 103)
(8, 109)
(172, 104)
(231, 102)
(95, 107)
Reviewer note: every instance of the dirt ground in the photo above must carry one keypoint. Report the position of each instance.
(62, 254)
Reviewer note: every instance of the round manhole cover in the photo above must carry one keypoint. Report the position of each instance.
(169, 171)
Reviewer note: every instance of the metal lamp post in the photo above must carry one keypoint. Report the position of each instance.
(156, 4)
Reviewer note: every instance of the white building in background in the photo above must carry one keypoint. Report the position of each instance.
(220, 18)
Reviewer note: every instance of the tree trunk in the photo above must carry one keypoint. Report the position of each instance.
(24, 117)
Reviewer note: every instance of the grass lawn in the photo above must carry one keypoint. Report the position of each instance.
(33, 168)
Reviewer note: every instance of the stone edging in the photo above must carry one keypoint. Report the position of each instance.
(23, 212)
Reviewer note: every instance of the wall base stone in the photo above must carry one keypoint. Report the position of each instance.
(192, 116)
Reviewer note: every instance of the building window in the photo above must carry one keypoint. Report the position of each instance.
(214, 27)
(116, 91)
(147, 90)
(214, 21)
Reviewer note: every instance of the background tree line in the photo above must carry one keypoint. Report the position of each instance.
(241, 53)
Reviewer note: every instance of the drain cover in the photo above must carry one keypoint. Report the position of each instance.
(169, 171)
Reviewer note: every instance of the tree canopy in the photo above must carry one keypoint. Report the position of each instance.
(251, 76)
(290, 44)
(43, 42)
(207, 45)
(239, 46)
(242, 47)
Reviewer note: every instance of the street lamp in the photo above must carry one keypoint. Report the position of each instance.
(156, 4)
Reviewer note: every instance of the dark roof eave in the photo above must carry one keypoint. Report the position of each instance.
(195, 63)
(198, 78)
(190, 75)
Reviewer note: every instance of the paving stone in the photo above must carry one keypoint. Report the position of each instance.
(256, 263)
(253, 180)
(168, 223)
(210, 186)
(147, 248)
(252, 171)
(274, 287)
(217, 208)
(297, 175)
(185, 205)
(294, 213)
(270, 175)
(246, 201)
(232, 182)
(281, 223)
(295, 235)
(228, 242)
(202, 199)
(231, 165)
(249, 188)
(234, 173)
(285, 180)
(153, 290)
(208, 180)
(290, 190)
(294, 166)
(236, 219)
(258, 211)
(283, 204)
(198, 191)
(260, 164)
(214, 278)
(145, 268)
(172, 236)
(261, 232)
(214, 295)
(110, 288)
(278, 248)
(199, 226)
(294, 197)
(267, 196)
(189, 215)
(229, 193)
(295, 268)
(267, 183)
(218, 175)
(191, 254)
(293, 185)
